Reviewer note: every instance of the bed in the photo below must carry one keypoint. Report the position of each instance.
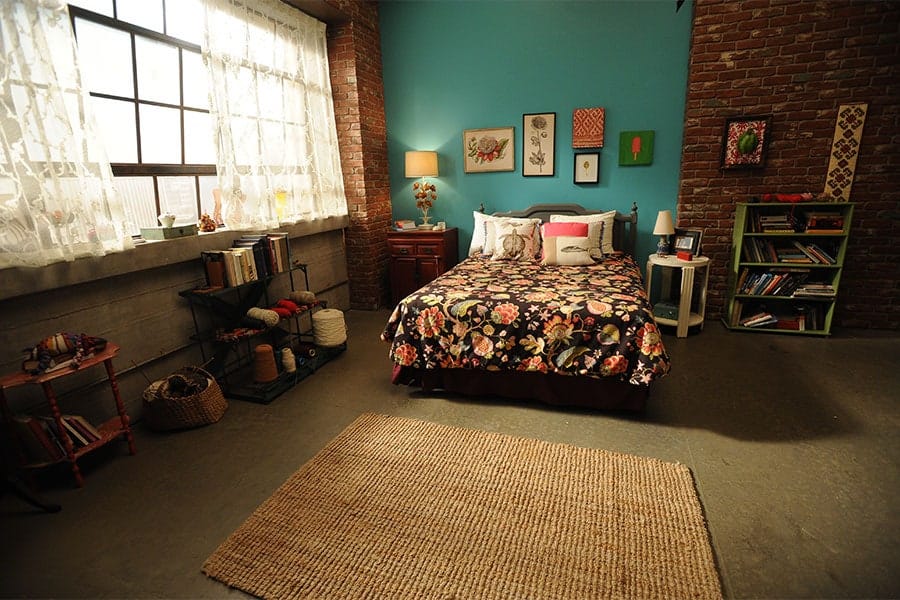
(568, 334)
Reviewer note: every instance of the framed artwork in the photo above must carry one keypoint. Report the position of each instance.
(488, 150)
(587, 127)
(688, 239)
(538, 144)
(587, 167)
(636, 148)
(744, 142)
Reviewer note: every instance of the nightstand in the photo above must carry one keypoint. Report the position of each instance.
(688, 313)
(418, 256)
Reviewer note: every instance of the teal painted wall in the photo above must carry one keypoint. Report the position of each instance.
(450, 66)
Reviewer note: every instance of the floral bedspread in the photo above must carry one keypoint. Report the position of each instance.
(499, 315)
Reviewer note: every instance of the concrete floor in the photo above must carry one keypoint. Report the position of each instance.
(793, 443)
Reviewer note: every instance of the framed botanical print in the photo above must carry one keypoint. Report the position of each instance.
(487, 150)
(538, 144)
(744, 142)
(587, 167)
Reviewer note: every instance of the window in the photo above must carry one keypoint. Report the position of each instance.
(142, 65)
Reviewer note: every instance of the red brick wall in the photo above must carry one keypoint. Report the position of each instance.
(798, 60)
(354, 49)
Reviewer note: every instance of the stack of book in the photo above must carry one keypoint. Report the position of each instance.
(251, 258)
(824, 222)
(781, 223)
(814, 290)
(771, 283)
(42, 440)
(760, 319)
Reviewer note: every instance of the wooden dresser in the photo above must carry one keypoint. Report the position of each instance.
(419, 256)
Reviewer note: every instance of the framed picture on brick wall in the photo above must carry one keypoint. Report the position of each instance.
(744, 142)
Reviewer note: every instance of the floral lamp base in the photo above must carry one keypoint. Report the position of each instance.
(662, 248)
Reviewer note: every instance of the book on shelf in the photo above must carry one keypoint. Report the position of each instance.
(88, 431)
(36, 440)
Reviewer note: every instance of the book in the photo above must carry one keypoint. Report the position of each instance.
(87, 426)
(35, 443)
(77, 439)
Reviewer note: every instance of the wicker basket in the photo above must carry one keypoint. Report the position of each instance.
(163, 412)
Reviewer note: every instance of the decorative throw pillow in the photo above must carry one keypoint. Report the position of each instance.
(601, 228)
(567, 250)
(491, 237)
(478, 233)
(514, 241)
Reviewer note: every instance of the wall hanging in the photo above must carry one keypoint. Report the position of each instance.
(587, 167)
(844, 148)
(744, 142)
(636, 148)
(489, 150)
(538, 144)
(587, 127)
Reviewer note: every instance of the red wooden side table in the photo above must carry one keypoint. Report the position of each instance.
(109, 431)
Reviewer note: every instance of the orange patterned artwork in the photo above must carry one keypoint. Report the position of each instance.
(587, 127)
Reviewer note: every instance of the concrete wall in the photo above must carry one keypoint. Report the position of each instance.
(141, 311)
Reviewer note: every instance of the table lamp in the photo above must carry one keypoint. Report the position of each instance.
(423, 163)
(664, 228)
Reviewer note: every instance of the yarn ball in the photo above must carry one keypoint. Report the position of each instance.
(282, 312)
(289, 306)
(269, 317)
(303, 297)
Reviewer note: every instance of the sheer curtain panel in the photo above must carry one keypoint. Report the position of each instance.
(270, 99)
(57, 201)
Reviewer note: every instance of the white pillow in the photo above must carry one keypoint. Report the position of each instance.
(514, 241)
(567, 250)
(490, 227)
(600, 228)
(478, 233)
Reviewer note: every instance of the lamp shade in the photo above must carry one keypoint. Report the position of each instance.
(664, 223)
(421, 163)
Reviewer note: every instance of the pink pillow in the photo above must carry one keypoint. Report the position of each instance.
(566, 229)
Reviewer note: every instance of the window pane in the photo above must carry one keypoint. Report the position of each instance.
(196, 83)
(104, 7)
(178, 196)
(140, 203)
(184, 20)
(145, 13)
(199, 145)
(209, 186)
(115, 123)
(157, 71)
(160, 135)
(105, 56)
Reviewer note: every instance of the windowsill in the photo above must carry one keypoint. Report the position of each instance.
(20, 281)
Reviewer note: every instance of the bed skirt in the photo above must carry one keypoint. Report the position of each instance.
(550, 388)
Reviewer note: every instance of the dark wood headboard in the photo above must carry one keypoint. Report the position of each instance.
(624, 226)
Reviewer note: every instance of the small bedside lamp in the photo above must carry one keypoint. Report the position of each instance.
(664, 228)
(423, 163)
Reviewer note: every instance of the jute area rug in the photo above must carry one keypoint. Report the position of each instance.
(399, 508)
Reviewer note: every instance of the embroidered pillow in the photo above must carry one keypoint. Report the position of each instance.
(567, 250)
(514, 241)
(491, 237)
(601, 228)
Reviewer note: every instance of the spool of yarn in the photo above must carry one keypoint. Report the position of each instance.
(288, 361)
(264, 367)
(303, 297)
(329, 329)
(269, 317)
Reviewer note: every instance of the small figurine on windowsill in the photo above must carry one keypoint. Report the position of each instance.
(207, 224)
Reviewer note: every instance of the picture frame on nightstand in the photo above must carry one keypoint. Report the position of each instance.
(687, 240)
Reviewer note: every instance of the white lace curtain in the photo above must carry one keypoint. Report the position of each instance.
(277, 147)
(57, 201)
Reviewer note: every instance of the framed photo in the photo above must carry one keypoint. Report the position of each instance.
(587, 167)
(744, 142)
(636, 148)
(489, 150)
(687, 239)
(538, 144)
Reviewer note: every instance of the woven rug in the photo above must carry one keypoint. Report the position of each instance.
(399, 508)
